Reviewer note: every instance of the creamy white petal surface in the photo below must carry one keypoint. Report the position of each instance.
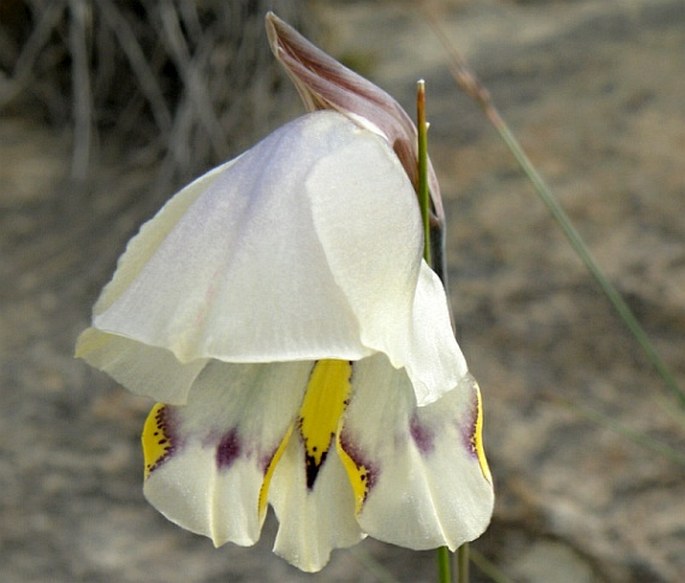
(280, 309)
(412, 476)
(312, 521)
(429, 486)
(219, 446)
(307, 246)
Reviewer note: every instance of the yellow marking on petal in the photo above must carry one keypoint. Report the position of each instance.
(268, 474)
(322, 407)
(358, 475)
(477, 438)
(156, 440)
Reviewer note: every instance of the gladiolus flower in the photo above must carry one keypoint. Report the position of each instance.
(301, 351)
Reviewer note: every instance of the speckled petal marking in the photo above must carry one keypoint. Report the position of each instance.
(158, 439)
(322, 408)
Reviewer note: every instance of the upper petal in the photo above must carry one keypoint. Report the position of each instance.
(307, 246)
(324, 83)
(141, 368)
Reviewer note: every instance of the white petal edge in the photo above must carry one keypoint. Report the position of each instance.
(434, 362)
(216, 493)
(428, 488)
(279, 228)
(248, 242)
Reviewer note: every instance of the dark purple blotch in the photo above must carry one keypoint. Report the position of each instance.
(228, 450)
(422, 435)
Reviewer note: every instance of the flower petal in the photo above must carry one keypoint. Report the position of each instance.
(146, 370)
(324, 83)
(312, 521)
(216, 451)
(428, 483)
(398, 300)
(434, 361)
(310, 494)
(242, 275)
(251, 269)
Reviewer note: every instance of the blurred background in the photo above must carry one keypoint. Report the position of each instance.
(107, 107)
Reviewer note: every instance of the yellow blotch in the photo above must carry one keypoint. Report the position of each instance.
(477, 439)
(358, 475)
(264, 490)
(324, 402)
(155, 439)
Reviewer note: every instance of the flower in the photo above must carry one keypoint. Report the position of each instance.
(301, 351)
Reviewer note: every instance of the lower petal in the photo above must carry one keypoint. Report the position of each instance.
(313, 521)
(427, 479)
(207, 472)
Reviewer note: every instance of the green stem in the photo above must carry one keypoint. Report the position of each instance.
(488, 568)
(637, 437)
(444, 565)
(586, 257)
(423, 192)
(444, 555)
(463, 563)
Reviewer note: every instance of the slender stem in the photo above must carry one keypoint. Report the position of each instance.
(463, 563)
(81, 89)
(373, 566)
(637, 437)
(444, 565)
(444, 555)
(424, 194)
(583, 252)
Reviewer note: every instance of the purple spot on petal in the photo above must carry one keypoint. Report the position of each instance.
(228, 449)
(422, 435)
(265, 460)
(468, 427)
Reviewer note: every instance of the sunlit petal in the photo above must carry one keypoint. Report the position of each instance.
(217, 449)
(427, 484)
(312, 521)
(279, 228)
(434, 361)
(147, 370)
(324, 83)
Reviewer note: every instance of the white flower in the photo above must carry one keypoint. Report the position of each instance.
(301, 350)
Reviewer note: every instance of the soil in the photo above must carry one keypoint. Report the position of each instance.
(594, 91)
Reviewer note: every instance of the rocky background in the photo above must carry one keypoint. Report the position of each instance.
(593, 89)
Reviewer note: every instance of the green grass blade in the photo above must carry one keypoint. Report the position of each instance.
(469, 84)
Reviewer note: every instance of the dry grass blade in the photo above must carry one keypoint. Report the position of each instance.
(192, 74)
(81, 89)
(23, 69)
(471, 86)
(146, 77)
(171, 80)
